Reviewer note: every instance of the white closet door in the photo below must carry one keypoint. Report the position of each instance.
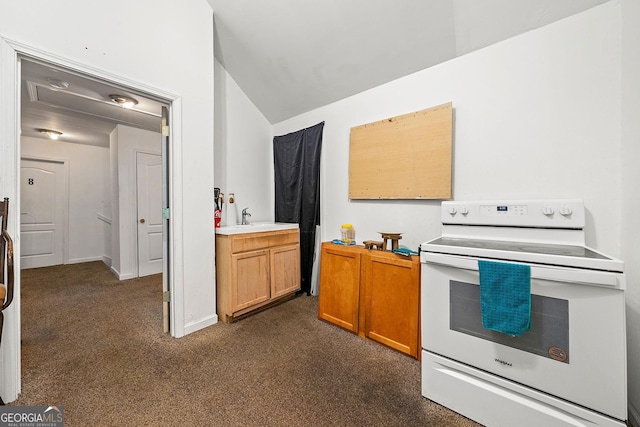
(149, 185)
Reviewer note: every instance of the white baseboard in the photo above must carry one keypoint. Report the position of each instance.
(106, 260)
(122, 276)
(81, 260)
(200, 324)
(114, 271)
(634, 416)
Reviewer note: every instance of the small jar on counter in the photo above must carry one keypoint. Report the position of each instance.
(348, 234)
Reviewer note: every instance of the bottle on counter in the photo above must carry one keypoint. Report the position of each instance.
(232, 212)
(348, 234)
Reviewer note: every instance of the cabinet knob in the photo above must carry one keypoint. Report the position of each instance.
(142, 221)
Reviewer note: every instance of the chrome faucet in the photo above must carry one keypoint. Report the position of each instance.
(245, 214)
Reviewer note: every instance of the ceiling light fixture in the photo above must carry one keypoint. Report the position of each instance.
(57, 83)
(52, 134)
(124, 101)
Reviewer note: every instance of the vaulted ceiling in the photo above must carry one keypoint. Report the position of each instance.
(292, 56)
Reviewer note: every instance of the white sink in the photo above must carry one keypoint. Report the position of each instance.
(255, 227)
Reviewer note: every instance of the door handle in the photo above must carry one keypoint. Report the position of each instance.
(142, 221)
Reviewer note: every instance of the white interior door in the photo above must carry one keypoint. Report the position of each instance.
(43, 200)
(149, 186)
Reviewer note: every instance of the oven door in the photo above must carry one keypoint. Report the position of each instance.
(576, 347)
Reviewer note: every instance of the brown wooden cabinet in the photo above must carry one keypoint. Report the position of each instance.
(375, 294)
(255, 269)
(392, 300)
(339, 297)
(284, 265)
(249, 283)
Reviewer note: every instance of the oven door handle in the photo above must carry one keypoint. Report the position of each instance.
(551, 273)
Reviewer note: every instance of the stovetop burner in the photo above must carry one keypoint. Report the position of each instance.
(545, 232)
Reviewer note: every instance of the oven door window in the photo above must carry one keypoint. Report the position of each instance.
(549, 334)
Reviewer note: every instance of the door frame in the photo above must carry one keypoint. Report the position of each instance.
(65, 219)
(11, 53)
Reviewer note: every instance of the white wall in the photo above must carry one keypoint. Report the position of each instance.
(630, 13)
(88, 177)
(125, 142)
(538, 115)
(245, 172)
(166, 46)
(535, 116)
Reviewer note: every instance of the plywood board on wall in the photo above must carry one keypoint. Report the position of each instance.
(403, 157)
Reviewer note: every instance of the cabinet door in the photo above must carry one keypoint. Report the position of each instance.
(339, 286)
(285, 270)
(392, 292)
(250, 279)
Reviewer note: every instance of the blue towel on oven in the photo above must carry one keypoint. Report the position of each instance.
(505, 297)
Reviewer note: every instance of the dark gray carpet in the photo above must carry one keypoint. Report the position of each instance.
(95, 346)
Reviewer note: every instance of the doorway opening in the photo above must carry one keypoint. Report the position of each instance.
(12, 54)
(106, 169)
(99, 142)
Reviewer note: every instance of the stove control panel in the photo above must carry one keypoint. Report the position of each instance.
(560, 213)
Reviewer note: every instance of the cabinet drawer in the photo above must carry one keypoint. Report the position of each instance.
(253, 241)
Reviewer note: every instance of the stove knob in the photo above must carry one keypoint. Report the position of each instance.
(547, 210)
(464, 210)
(452, 211)
(565, 210)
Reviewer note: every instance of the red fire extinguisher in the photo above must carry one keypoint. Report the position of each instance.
(217, 215)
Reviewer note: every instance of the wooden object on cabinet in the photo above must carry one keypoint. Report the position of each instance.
(254, 270)
(374, 294)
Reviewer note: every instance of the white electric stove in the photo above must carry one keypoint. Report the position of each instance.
(570, 368)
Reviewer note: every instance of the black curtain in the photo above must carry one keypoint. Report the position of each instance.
(296, 158)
